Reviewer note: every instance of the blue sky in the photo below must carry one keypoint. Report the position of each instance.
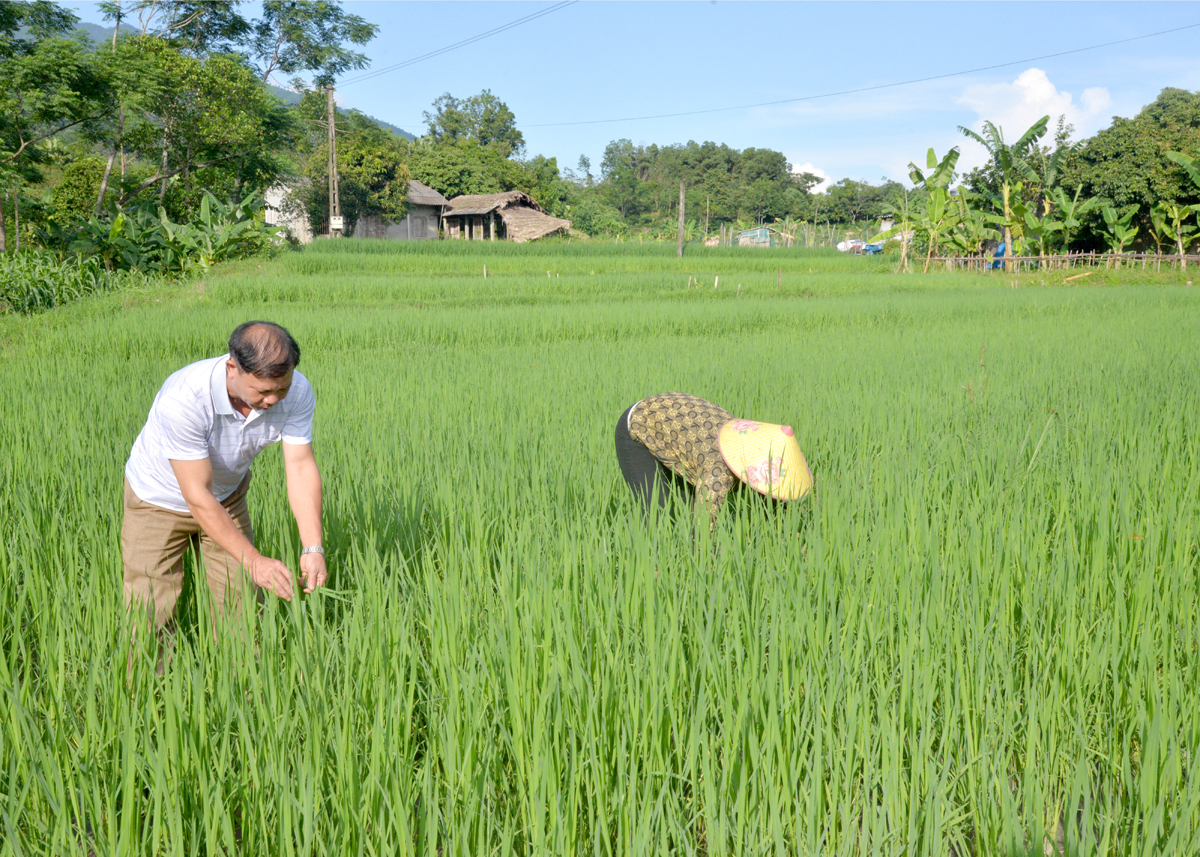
(595, 60)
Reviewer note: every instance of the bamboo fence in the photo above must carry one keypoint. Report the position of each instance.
(1065, 261)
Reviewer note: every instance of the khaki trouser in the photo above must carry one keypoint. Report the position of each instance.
(153, 543)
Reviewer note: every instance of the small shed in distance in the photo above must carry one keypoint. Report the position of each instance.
(422, 222)
(512, 216)
(758, 237)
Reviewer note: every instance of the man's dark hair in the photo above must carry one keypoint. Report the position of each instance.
(263, 348)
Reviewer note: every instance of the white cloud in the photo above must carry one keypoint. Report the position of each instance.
(816, 171)
(1015, 106)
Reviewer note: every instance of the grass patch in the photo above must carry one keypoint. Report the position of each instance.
(979, 636)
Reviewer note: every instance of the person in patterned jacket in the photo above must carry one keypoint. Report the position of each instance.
(672, 440)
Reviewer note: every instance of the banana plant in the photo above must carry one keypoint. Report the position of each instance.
(971, 230)
(1160, 232)
(937, 217)
(1071, 211)
(146, 239)
(1041, 230)
(1191, 165)
(1013, 168)
(1120, 233)
(1169, 220)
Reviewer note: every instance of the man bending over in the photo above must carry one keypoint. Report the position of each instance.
(189, 471)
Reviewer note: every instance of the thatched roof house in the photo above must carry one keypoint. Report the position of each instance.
(422, 222)
(512, 215)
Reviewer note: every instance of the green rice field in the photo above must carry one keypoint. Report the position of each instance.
(978, 636)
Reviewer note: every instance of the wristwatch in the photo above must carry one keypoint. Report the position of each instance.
(313, 549)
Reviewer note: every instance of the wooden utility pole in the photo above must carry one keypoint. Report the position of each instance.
(679, 244)
(335, 210)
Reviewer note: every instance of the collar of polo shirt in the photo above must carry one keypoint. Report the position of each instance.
(220, 392)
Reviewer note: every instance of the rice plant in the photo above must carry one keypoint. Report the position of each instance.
(979, 635)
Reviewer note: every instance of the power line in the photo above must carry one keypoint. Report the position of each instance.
(863, 88)
(525, 20)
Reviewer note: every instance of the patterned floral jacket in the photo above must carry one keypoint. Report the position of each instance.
(681, 431)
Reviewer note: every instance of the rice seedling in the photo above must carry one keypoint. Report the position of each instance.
(979, 635)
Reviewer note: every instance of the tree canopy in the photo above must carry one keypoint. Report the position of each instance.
(483, 119)
(1127, 162)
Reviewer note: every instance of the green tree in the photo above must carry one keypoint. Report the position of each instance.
(482, 118)
(46, 87)
(546, 185)
(308, 36)
(1176, 213)
(584, 171)
(903, 225)
(193, 27)
(40, 19)
(971, 227)
(75, 193)
(1011, 163)
(466, 168)
(372, 174)
(48, 84)
(193, 116)
(621, 177)
(1190, 165)
(1127, 163)
(591, 216)
(850, 202)
(765, 177)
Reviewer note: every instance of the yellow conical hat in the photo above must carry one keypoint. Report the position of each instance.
(766, 457)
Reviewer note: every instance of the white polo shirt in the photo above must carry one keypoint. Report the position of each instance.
(192, 418)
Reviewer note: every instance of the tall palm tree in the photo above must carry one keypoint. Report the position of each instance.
(1013, 169)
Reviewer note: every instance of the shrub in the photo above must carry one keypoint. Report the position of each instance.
(34, 281)
(594, 217)
(145, 239)
(75, 195)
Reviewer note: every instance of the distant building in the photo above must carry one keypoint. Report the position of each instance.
(283, 211)
(510, 216)
(424, 218)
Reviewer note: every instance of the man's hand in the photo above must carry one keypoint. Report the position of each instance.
(304, 495)
(272, 575)
(312, 569)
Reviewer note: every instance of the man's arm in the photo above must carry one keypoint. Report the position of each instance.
(195, 482)
(304, 496)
